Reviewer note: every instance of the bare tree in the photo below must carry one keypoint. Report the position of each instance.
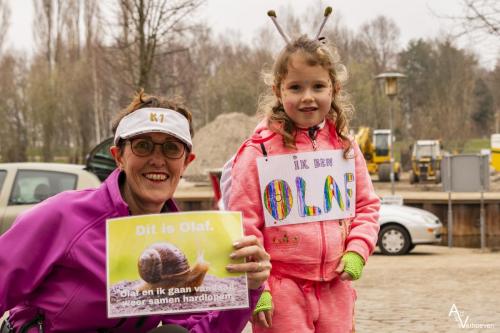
(147, 28)
(43, 97)
(62, 92)
(480, 16)
(47, 28)
(93, 29)
(13, 108)
(378, 43)
(4, 21)
(381, 38)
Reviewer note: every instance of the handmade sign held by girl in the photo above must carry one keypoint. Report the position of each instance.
(306, 187)
(304, 191)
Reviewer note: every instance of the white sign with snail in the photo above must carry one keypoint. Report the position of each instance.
(173, 263)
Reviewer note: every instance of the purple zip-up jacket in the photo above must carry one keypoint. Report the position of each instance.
(53, 261)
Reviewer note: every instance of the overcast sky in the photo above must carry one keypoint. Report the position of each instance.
(415, 18)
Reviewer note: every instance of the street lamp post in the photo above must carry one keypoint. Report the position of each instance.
(391, 90)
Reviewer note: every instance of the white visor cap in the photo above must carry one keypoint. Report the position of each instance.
(147, 120)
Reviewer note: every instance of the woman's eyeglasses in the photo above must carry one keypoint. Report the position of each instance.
(143, 147)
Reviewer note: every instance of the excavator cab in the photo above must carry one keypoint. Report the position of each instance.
(376, 150)
(382, 142)
(426, 161)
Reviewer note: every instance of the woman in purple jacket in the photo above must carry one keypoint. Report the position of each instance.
(53, 260)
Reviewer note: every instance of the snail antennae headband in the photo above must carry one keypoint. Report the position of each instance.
(328, 11)
(272, 15)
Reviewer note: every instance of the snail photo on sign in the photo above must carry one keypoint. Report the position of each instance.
(173, 263)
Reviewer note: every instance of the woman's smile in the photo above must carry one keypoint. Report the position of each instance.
(156, 177)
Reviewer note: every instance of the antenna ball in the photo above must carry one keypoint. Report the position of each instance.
(328, 10)
(271, 13)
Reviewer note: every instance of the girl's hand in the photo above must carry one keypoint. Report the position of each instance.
(257, 265)
(340, 270)
(264, 318)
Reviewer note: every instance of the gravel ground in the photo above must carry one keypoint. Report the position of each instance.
(415, 293)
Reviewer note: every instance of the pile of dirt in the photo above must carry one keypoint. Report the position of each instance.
(217, 141)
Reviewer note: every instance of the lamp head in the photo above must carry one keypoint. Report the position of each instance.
(390, 82)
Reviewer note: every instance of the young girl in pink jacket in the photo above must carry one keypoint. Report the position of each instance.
(319, 236)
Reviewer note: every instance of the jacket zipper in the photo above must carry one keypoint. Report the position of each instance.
(312, 134)
(323, 252)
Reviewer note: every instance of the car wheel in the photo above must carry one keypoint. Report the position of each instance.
(394, 240)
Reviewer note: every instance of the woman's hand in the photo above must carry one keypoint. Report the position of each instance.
(257, 265)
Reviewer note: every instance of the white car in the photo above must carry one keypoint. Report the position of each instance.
(22, 185)
(404, 227)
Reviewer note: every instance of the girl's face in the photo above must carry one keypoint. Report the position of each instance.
(306, 92)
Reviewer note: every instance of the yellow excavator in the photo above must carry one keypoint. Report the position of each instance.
(376, 148)
(426, 161)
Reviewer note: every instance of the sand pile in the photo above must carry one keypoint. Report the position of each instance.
(216, 142)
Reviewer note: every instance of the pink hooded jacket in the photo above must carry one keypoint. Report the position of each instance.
(312, 250)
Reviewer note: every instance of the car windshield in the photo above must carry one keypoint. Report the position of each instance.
(33, 186)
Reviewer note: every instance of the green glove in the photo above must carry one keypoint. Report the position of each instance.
(353, 264)
(264, 303)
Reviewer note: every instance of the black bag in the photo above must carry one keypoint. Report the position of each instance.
(7, 327)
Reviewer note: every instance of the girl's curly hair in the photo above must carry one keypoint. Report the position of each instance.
(316, 53)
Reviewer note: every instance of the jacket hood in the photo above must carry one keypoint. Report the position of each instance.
(262, 132)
